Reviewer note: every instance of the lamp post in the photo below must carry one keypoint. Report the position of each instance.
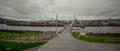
(56, 23)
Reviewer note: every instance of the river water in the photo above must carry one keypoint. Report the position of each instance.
(100, 29)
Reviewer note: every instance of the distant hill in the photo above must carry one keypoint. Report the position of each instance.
(107, 22)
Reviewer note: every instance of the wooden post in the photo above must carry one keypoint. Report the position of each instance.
(103, 39)
(116, 40)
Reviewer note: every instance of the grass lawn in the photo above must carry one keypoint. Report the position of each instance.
(30, 36)
(10, 35)
(97, 39)
(14, 46)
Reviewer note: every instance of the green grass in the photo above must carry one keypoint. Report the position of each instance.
(14, 46)
(10, 35)
(97, 39)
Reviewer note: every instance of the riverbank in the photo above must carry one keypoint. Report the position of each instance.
(97, 39)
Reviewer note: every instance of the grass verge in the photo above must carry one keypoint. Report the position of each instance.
(14, 46)
(97, 39)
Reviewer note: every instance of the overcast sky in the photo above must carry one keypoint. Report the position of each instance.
(46, 9)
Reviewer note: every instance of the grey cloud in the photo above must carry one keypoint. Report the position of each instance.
(43, 9)
(13, 8)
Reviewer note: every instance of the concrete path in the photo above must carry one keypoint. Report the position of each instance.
(65, 42)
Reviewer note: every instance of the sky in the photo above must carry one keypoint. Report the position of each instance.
(32, 10)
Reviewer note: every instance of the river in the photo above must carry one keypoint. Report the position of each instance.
(100, 29)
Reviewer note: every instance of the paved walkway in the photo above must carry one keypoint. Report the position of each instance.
(65, 42)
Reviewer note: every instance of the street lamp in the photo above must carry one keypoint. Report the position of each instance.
(56, 23)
